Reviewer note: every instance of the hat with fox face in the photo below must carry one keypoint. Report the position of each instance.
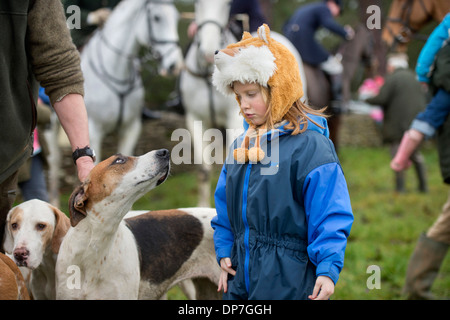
(264, 61)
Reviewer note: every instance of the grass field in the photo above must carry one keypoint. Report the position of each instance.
(386, 227)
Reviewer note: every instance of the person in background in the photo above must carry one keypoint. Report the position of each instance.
(401, 98)
(37, 47)
(93, 14)
(301, 30)
(255, 16)
(433, 69)
(250, 7)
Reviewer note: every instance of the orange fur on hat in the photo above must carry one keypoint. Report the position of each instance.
(264, 61)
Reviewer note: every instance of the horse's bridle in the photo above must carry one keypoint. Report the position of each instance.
(129, 83)
(152, 40)
(407, 32)
(206, 74)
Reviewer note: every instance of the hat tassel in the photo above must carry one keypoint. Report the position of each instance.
(254, 154)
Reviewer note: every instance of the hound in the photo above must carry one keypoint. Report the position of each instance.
(12, 284)
(33, 234)
(104, 256)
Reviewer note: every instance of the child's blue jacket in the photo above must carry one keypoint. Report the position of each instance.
(437, 39)
(285, 227)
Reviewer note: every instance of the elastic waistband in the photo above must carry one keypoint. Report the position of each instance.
(286, 242)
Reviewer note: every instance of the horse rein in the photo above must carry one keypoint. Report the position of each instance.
(407, 32)
(203, 74)
(152, 39)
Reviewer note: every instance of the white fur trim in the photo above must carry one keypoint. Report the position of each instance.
(250, 64)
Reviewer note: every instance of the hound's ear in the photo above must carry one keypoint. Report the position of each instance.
(8, 240)
(77, 204)
(61, 227)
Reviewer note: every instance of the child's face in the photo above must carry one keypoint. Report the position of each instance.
(252, 101)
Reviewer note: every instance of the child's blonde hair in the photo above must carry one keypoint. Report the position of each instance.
(297, 116)
(268, 63)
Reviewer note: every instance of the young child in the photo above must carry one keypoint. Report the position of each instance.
(282, 233)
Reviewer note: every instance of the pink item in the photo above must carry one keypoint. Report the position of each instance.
(36, 144)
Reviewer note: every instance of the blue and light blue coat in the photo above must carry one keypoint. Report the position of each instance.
(284, 221)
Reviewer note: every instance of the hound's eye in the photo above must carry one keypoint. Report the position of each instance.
(14, 226)
(119, 160)
(156, 18)
(40, 226)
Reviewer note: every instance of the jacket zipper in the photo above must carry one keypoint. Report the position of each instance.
(244, 219)
(246, 228)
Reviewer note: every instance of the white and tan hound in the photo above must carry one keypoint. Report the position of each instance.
(104, 256)
(12, 284)
(33, 233)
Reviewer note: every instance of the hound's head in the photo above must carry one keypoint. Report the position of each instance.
(32, 228)
(116, 183)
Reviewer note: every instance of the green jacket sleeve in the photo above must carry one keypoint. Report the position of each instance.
(54, 58)
(384, 96)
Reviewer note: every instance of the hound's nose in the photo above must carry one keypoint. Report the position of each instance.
(163, 153)
(216, 52)
(21, 254)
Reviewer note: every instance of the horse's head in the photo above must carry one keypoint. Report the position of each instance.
(211, 18)
(161, 35)
(406, 18)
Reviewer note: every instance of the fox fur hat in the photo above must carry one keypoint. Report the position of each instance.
(264, 61)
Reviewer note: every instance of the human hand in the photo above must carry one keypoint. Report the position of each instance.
(350, 32)
(323, 289)
(424, 86)
(84, 166)
(99, 16)
(225, 264)
(192, 29)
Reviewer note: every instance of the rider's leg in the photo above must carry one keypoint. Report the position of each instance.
(333, 68)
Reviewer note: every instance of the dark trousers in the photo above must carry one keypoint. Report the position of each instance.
(8, 190)
(418, 162)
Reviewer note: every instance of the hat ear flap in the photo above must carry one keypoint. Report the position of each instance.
(264, 33)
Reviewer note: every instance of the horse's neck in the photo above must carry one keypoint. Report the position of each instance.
(438, 9)
(117, 41)
(228, 38)
(427, 11)
(191, 59)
